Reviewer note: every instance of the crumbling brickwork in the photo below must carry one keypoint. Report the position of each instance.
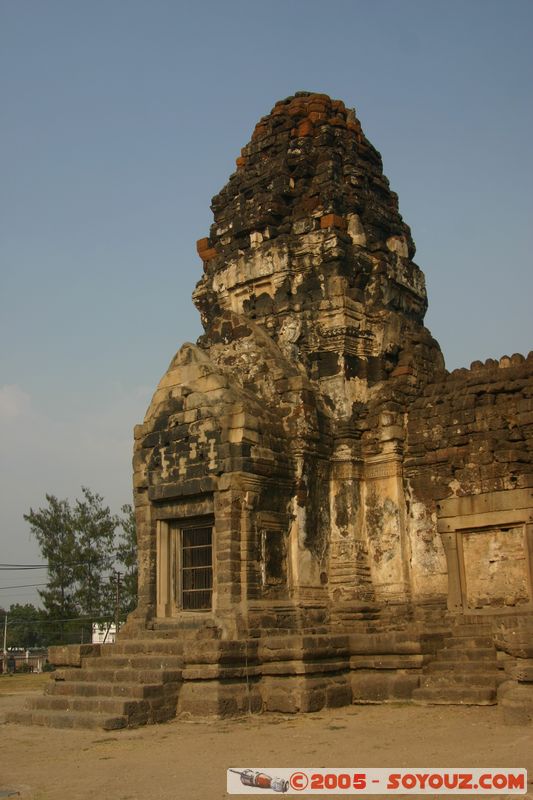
(472, 431)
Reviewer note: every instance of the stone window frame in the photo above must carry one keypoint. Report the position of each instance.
(477, 513)
(273, 523)
(168, 568)
(265, 533)
(464, 576)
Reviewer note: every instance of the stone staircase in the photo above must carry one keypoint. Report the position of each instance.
(150, 675)
(465, 671)
(133, 682)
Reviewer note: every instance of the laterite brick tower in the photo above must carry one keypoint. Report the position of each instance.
(325, 515)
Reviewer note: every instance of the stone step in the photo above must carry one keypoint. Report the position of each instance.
(167, 635)
(471, 629)
(464, 666)
(133, 660)
(459, 678)
(101, 705)
(137, 712)
(469, 642)
(480, 619)
(128, 707)
(181, 630)
(143, 646)
(458, 653)
(455, 695)
(67, 719)
(137, 691)
(429, 614)
(122, 675)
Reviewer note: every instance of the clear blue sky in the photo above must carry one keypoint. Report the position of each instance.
(121, 119)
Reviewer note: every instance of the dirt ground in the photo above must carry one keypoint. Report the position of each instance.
(187, 760)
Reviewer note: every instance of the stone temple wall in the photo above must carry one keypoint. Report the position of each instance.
(472, 431)
(470, 436)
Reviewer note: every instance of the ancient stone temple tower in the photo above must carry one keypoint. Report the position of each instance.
(325, 515)
(280, 435)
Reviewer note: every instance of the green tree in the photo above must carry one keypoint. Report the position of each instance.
(25, 626)
(78, 543)
(95, 527)
(82, 548)
(53, 528)
(126, 554)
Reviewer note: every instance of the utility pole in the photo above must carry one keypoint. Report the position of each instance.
(118, 577)
(4, 664)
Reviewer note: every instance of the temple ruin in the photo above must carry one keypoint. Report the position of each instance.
(325, 514)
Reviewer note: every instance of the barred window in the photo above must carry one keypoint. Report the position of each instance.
(196, 568)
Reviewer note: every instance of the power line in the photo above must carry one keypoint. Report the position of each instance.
(19, 567)
(110, 577)
(24, 586)
(23, 621)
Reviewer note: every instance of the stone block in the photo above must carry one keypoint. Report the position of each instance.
(377, 687)
(317, 116)
(292, 694)
(339, 693)
(387, 643)
(279, 700)
(333, 221)
(202, 245)
(259, 131)
(399, 372)
(310, 700)
(214, 699)
(516, 703)
(208, 255)
(70, 655)
(390, 662)
(305, 128)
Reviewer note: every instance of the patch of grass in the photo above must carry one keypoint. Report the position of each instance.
(22, 683)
